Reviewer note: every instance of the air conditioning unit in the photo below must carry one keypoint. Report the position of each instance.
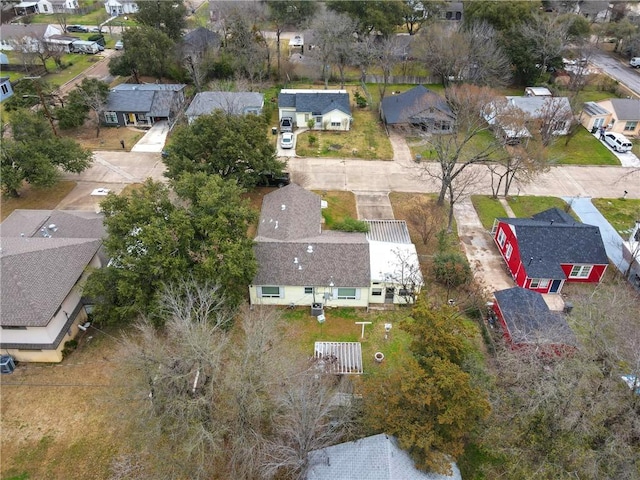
(317, 309)
(7, 365)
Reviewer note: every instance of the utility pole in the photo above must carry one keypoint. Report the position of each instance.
(36, 83)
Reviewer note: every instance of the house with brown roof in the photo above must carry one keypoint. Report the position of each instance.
(299, 263)
(45, 258)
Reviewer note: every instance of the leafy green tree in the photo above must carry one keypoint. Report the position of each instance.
(501, 15)
(152, 239)
(166, 16)
(90, 95)
(35, 155)
(232, 146)
(382, 16)
(451, 270)
(148, 52)
(428, 402)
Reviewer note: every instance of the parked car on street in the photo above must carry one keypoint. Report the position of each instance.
(286, 141)
(77, 29)
(618, 142)
(635, 62)
(271, 180)
(119, 45)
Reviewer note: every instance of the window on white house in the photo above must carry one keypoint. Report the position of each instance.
(376, 292)
(5, 89)
(580, 271)
(502, 237)
(630, 126)
(110, 117)
(509, 251)
(347, 293)
(308, 290)
(270, 292)
(336, 123)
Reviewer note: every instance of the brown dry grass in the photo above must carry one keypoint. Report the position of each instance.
(341, 205)
(54, 422)
(37, 198)
(109, 138)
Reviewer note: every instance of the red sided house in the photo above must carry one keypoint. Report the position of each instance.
(550, 248)
(527, 322)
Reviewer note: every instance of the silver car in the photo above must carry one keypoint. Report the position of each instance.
(286, 141)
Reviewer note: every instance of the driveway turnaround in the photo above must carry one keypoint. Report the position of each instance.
(373, 206)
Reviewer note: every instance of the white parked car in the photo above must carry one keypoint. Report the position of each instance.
(119, 45)
(635, 62)
(618, 142)
(286, 141)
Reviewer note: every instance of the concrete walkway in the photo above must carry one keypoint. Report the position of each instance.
(153, 141)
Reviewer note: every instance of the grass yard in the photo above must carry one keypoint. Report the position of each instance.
(583, 149)
(366, 140)
(526, 206)
(488, 209)
(479, 142)
(340, 206)
(620, 213)
(35, 198)
(109, 138)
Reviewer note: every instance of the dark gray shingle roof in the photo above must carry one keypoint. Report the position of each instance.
(529, 319)
(69, 223)
(290, 213)
(544, 244)
(626, 108)
(414, 104)
(318, 103)
(129, 101)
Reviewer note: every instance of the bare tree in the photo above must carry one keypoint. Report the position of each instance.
(548, 37)
(62, 17)
(417, 13)
(389, 54)
(406, 274)
(425, 217)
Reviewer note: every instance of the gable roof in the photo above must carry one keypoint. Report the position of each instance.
(626, 108)
(377, 457)
(37, 271)
(414, 104)
(529, 319)
(552, 238)
(19, 30)
(201, 38)
(534, 106)
(316, 102)
(237, 103)
(290, 213)
(156, 103)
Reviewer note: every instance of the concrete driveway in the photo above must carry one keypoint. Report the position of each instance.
(154, 139)
(373, 206)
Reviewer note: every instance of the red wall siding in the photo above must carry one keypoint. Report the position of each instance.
(505, 331)
(514, 262)
(594, 277)
(539, 290)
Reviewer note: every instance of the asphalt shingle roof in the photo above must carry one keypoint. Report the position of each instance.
(546, 241)
(417, 103)
(204, 103)
(317, 103)
(372, 458)
(626, 108)
(529, 319)
(69, 223)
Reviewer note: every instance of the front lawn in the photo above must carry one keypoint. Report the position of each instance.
(109, 138)
(488, 209)
(340, 206)
(480, 142)
(526, 206)
(34, 198)
(583, 149)
(620, 213)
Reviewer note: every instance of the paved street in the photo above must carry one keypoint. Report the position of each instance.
(617, 69)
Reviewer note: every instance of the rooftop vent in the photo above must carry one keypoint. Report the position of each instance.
(310, 249)
(283, 207)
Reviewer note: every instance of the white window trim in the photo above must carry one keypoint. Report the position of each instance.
(583, 271)
(502, 237)
(539, 283)
(509, 251)
(346, 297)
(280, 293)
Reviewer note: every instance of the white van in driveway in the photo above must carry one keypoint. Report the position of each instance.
(618, 142)
(635, 62)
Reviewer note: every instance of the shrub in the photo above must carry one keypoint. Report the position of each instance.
(360, 100)
(451, 269)
(351, 225)
(312, 140)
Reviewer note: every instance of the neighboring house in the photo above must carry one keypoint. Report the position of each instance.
(549, 249)
(143, 104)
(49, 7)
(625, 115)
(514, 117)
(418, 108)
(6, 90)
(301, 264)
(593, 116)
(537, 92)
(25, 8)
(594, 10)
(329, 109)
(452, 10)
(120, 7)
(234, 103)
(62, 42)
(46, 257)
(378, 457)
(28, 38)
(527, 322)
(197, 42)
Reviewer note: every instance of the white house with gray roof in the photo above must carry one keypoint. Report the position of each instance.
(26, 38)
(330, 109)
(233, 103)
(132, 104)
(46, 257)
(301, 264)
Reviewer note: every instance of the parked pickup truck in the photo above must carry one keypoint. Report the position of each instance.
(286, 124)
